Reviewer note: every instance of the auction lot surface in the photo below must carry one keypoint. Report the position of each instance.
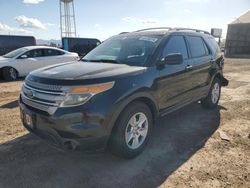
(186, 149)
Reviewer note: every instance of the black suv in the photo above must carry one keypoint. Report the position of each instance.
(113, 96)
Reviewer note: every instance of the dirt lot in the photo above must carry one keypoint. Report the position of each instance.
(186, 149)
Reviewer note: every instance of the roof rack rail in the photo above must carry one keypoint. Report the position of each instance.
(176, 29)
(190, 29)
(123, 33)
(154, 28)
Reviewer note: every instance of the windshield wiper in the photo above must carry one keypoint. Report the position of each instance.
(5, 56)
(85, 60)
(102, 60)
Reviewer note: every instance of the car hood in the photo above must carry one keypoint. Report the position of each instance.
(86, 70)
(3, 59)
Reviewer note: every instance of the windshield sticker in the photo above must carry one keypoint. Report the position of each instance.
(150, 39)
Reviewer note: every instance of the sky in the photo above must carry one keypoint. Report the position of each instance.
(104, 18)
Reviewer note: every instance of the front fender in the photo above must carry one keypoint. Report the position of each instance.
(5, 64)
(124, 101)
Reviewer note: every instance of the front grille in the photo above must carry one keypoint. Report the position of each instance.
(41, 96)
(34, 105)
(43, 86)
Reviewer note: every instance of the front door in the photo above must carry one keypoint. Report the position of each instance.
(33, 60)
(174, 80)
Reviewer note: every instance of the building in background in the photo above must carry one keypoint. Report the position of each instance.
(9, 43)
(238, 37)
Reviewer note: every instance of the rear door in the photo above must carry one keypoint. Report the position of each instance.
(54, 56)
(174, 82)
(200, 64)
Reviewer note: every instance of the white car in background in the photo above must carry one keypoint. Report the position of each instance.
(21, 62)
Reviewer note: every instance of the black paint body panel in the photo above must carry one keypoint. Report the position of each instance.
(164, 89)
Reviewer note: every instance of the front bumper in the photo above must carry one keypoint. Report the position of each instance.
(76, 130)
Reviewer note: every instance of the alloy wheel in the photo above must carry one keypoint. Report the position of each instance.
(136, 130)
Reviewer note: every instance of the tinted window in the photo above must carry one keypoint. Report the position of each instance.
(196, 46)
(206, 49)
(214, 44)
(52, 52)
(34, 53)
(176, 44)
(60, 52)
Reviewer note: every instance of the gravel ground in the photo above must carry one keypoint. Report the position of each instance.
(192, 147)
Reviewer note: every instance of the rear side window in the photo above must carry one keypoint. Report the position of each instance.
(52, 52)
(176, 44)
(197, 47)
(206, 49)
(214, 44)
(34, 53)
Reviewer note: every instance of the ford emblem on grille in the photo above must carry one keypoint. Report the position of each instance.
(31, 94)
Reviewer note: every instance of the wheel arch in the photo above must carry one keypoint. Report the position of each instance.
(223, 80)
(1, 70)
(150, 102)
(138, 97)
(2, 74)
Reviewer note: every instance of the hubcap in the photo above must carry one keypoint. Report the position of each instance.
(12, 73)
(215, 93)
(136, 130)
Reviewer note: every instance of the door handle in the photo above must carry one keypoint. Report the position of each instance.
(189, 67)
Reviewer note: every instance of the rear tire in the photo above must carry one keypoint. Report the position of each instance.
(132, 130)
(212, 100)
(9, 74)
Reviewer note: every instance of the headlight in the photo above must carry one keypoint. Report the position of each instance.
(81, 94)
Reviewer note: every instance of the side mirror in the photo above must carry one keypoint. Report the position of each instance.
(23, 57)
(172, 59)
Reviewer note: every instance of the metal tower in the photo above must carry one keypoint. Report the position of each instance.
(67, 18)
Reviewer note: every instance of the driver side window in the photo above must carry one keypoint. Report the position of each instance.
(176, 44)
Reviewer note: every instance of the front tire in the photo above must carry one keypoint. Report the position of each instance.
(9, 74)
(212, 100)
(132, 130)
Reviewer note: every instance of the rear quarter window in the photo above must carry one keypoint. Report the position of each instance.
(52, 52)
(214, 45)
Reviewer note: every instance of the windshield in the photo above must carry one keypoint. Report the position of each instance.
(15, 53)
(131, 50)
